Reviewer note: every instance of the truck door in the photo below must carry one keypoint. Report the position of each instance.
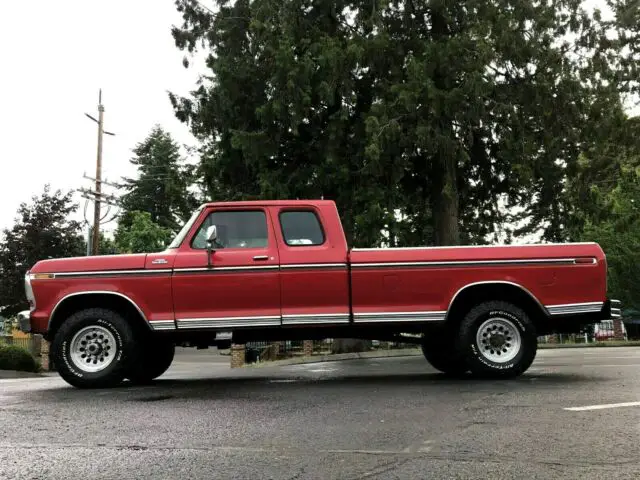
(314, 277)
(242, 287)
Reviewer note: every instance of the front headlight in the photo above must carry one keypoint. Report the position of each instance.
(29, 292)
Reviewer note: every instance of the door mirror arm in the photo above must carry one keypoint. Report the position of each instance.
(210, 252)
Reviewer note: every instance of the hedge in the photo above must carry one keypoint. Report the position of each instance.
(13, 357)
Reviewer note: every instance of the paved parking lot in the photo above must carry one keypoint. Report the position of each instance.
(575, 414)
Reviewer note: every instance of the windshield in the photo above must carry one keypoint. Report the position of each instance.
(183, 232)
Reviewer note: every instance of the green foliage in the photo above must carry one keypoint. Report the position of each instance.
(13, 357)
(141, 235)
(42, 230)
(161, 188)
(420, 119)
(107, 246)
(618, 232)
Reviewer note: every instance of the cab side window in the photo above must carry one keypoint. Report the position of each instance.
(300, 228)
(235, 229)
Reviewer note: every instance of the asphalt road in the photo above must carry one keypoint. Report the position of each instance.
(360, 419)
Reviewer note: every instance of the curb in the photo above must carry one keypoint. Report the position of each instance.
(5, 374)
(551, 346)
(335, 357)
(411, 352)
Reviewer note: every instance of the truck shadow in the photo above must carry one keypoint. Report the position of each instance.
(281, 387)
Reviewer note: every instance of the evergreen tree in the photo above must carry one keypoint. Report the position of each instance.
(42, 230)
(419, 118)
(162, 186)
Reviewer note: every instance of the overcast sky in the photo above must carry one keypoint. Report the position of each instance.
(55, 56)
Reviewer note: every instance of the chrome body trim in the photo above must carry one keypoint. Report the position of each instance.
(312, 265)
(95, 292)
(494, 282)
(225, 269)
(387, 317)
(304, 319)
(110, 273)
(468, 263)
(470, 246)
(575, 308)
(162, 324)
(227, 322)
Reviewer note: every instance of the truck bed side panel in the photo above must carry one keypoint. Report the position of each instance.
(419, 284)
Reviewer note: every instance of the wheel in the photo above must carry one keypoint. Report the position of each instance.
(92, 348)
(497, 340)
(438, 347)
(152, 360)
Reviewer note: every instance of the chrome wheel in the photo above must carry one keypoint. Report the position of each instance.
(93, 349)
(498, 340)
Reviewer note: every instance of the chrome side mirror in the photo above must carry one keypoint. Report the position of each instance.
(212, 235)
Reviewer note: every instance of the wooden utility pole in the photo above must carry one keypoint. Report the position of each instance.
(96, 209)
(97, 194)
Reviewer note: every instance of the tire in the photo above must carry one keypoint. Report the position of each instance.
(497, 340)
(438, 347)
(92, 348)
(152, 361)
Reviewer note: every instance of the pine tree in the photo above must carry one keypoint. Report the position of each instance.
(421, 119)
(162, 186)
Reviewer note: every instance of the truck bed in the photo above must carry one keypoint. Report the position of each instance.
(421, 283)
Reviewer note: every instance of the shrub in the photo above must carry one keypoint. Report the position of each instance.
(13, 357)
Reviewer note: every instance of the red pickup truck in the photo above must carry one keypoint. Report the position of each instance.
(282, 270)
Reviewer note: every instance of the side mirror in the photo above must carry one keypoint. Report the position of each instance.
(212, 235)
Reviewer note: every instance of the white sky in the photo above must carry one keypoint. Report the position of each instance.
(55, 56)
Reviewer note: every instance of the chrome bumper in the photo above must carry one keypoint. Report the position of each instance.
(24, 321)
(615, 307)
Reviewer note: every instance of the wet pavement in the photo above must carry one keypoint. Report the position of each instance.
(575, 414)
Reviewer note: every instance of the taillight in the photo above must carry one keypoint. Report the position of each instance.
(585, 261)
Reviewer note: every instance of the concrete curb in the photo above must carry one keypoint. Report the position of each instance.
(5, 374)
(410, 352)
(611, 344)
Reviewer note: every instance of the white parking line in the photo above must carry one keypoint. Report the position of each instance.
(603, 407)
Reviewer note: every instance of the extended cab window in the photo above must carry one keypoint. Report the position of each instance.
(235, 229)
(301, 228)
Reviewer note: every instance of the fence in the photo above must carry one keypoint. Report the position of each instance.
(603, 331)
(28, 343)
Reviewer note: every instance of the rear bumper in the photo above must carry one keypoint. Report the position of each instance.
(611, 310)
(575, 323)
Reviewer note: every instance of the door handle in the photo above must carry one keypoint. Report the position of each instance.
(261, 257)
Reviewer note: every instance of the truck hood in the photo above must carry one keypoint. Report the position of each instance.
(91, 264)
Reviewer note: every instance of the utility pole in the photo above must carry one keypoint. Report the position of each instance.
(98, 189)
(96, 209)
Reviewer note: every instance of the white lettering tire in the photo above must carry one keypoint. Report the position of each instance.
(92, 348)
(497, 340)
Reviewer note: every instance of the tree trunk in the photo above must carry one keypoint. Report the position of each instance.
(444, 193)
(444, 202)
